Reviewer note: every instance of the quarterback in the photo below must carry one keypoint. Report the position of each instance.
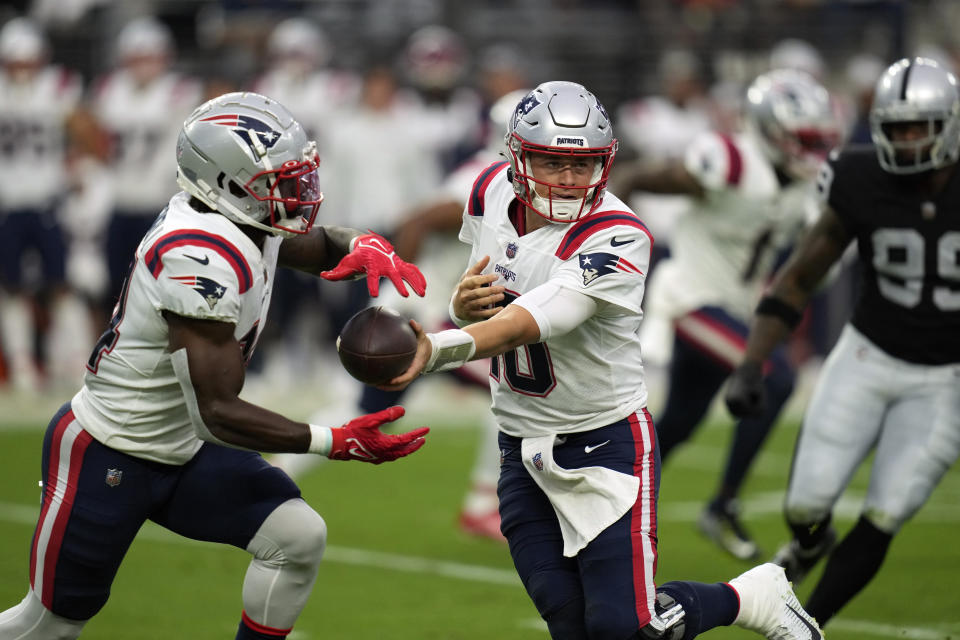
(553, 295)
(890, 384)
(158, 432)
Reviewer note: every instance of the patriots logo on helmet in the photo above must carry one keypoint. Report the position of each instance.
(245, 127)
(210, 289)
(602, 111)
(599, 264)
(524, 107)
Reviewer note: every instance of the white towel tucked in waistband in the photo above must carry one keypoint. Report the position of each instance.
(586, 500)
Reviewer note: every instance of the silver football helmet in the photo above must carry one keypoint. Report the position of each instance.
(560, 119)
(791, 115)
(22, 42)
(244, 155)
(917, 91)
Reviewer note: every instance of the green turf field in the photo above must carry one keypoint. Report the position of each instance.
(398, 568)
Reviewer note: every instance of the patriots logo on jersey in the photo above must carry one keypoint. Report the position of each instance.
(247, 126)
(210, 289)
(524, 107)
(599, 264)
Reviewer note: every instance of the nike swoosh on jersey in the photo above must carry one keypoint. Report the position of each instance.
(588, 448)
(619, 243)
(814, 634)
(205, 260)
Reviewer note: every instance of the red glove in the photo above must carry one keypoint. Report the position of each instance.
(361, 439)
(373, 255)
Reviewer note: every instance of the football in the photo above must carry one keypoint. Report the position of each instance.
(376, 345)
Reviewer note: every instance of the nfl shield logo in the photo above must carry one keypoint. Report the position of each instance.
(538, 462)
(511, 249)
(113, 477)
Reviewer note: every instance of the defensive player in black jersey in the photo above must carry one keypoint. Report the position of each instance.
(892, 383)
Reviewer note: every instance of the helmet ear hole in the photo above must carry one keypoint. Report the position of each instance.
(236, 190)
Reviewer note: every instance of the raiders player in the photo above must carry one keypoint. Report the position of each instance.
(554, 296)
(158, 430)
(890, 384)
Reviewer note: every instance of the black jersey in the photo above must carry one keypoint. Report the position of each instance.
(909, 243)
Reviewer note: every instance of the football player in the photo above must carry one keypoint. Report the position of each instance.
(37, 100)
(751, 193)
(553, 295)
(890, 384)
(158, 431)
(140, 106)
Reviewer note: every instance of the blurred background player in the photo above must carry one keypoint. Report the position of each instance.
(37, 102)
(751, 195)
(657, 129)
(140, 106)
(427, 235)
(889, 385)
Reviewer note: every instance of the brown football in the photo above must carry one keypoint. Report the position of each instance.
(376, 345)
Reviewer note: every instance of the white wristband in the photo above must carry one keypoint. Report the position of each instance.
(321, 439)
(450, 349)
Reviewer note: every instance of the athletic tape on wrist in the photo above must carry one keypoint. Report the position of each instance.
(770, 306)
(321, 439)
(451, 349)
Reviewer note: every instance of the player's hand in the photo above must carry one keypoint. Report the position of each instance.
(424, 350)
(361, 439)
(374, 256)
(475, 297)
(746, 395)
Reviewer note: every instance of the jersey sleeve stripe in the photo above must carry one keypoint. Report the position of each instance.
(585, 228)
(734, 161)
(475, 204)
(199, 238)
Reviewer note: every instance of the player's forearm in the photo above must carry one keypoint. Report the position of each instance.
(667, 179)
(319, 250)
(511, 328)
(249, 426)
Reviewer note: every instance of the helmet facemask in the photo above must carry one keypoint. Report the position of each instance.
(554, 201)
(292, 192)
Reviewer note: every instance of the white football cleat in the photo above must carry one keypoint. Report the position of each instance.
(769, 606)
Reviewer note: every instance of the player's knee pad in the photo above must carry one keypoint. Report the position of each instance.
(30, 620)
(294, 534)
(560, 602)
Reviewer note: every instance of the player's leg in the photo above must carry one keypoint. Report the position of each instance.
(840, 427)
(94, 501)
(697, 369)
(530, 525)
(721, 519)
(17, 325)
(919, 442)
(235, 497)
(480, 513)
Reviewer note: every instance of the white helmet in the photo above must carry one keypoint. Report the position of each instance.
(793, 118)
(299, 38)
(21, 42)
(144, 36)
(916, 90)
(563, 119)
(244, 155)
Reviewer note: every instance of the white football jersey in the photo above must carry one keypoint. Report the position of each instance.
(193, 264)
(724, 247)
(144, 122)
(593, 375)
(33, 115)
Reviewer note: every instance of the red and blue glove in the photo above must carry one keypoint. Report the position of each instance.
(361, 439)
(373, 255)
